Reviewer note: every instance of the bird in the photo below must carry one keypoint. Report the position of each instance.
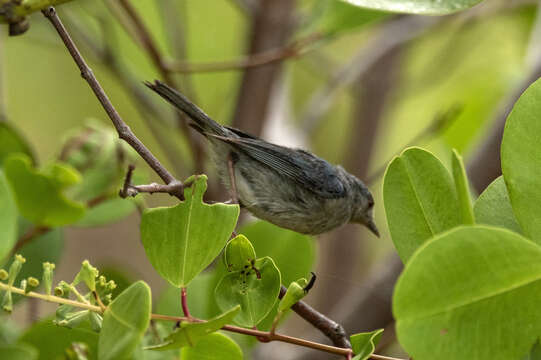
(291, 188)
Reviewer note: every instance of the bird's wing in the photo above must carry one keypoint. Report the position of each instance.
(304, 168)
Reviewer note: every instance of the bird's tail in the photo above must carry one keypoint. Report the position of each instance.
(202, 122)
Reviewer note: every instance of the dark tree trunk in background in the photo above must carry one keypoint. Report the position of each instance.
(271, 27)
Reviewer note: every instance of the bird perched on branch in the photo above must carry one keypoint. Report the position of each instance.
(291, 188)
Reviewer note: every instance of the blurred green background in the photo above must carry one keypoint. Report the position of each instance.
(472, 61)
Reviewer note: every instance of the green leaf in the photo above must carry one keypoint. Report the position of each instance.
(182, 240)
(8, 219)
(493, 207)
(39, 194)
(18, 352)
(521, 160)
(239, 254)
(125, 322)
(52, 340)
(213, 347)
(470, 293)
(190, 333)
(336, 17)
(462, 189)
(364, 344)
(108, 212)
(426, 7)
(420, 200)
(12, 142)
(293, 253)
(255, 293)
(295, 292)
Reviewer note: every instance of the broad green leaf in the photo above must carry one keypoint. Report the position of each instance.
(521, 160)
(18, 352)
(293, 253)
(493, 207)
(12, 142)
(213, 347)
(335, 17)
(52, 340)
(125, 322)
(39, 194)
(295, 292)
(426, 7)
(420, 200)
(256, 293)
(239, 254)
(182, 240)
(470, 293)
(108, 212)
(8, 219)
(190, 333)
(462, 189)
(364, 344)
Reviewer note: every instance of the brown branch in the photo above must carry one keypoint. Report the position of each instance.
(296, 49)
(330, 328)
(124, 132)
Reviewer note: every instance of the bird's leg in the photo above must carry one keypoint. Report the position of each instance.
(234, 195)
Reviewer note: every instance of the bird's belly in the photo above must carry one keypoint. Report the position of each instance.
(287, 206)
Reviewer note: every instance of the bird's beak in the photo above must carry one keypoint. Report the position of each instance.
(371, 225)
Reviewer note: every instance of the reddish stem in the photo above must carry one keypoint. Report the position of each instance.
(184, 302)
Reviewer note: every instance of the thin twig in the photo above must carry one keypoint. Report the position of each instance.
(130, 190)
(296, 49)
(124, 132)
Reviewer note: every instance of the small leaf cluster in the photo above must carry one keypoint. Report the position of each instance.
(471, 280)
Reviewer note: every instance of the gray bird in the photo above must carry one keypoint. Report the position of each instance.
(291, 188)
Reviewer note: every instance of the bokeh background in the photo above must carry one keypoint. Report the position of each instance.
(355, 87)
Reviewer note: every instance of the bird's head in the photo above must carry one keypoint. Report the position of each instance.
(363, 206)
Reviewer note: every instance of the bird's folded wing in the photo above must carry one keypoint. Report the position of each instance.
(305, 169)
